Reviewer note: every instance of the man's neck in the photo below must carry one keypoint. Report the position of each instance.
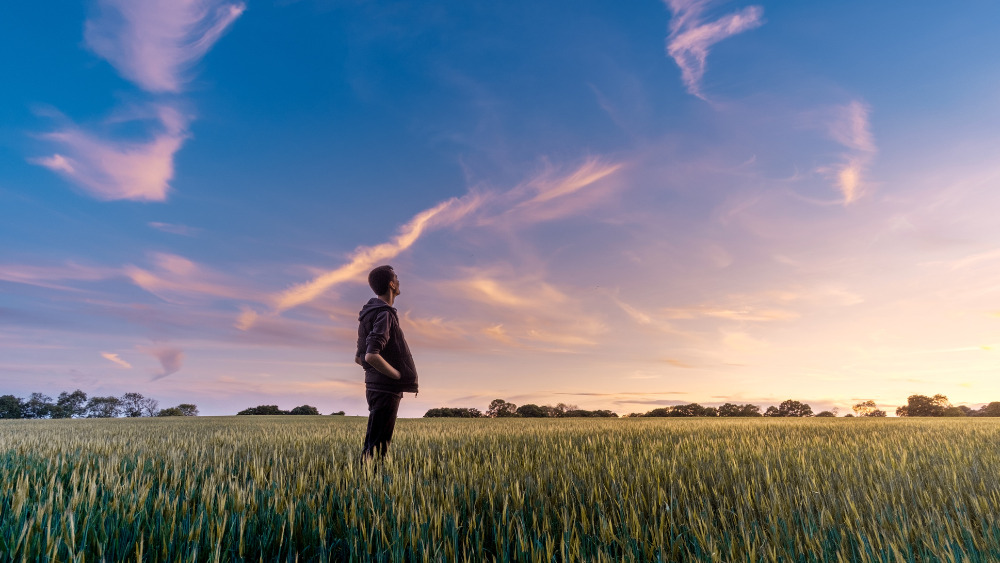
(389, 298)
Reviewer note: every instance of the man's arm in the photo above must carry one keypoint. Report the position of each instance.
(379, 363)
(377, 339)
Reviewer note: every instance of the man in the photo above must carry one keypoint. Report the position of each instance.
(382, 351)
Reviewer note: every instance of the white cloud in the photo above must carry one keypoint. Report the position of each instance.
(691, 36)
(154, 42)
(115, 170)
(850, 127)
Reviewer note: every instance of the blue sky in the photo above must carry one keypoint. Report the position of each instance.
(613, 206)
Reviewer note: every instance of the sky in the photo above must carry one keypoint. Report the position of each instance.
(611, 205)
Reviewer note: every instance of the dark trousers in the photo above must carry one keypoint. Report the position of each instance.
(382, 409)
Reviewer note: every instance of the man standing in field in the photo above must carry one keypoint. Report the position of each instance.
(382, 351)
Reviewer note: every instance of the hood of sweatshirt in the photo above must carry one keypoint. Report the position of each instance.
(374, 304)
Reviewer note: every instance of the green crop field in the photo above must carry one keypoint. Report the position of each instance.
(291, 488)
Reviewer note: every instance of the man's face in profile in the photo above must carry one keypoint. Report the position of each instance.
(394, 285)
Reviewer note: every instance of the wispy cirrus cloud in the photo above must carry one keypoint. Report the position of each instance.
(115, 359)
(364, 258)
(154, 43)
(691, 36)
(542, 198)
(175, 278)
(175, 229)
(109, 169)
(851, 128)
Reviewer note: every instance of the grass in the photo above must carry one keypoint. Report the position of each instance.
(292, 488)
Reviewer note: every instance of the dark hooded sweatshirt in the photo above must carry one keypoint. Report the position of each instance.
(379, 333)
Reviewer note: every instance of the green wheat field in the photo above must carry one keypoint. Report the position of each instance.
(292, 488)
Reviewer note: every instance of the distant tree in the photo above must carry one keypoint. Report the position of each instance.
(103, 407)
(171, 411)
(262, 410)
(849, 415)
(967, 411)
(992, 409)
(562, 408)
(825, 414)
(692, 409)
(500, 408)
(11, 407)
(922, 405)
(150, 406)
(864, 407)
(730, 409)
(532, 411)
(590, 414)
(772, 411)
(794, 408)
(304, 409)
(954, 411)
(38, 405)
(658, 412)
(70, 405)
(188, 409)
(453, 412)
(132, 404)
(338, 413)
(877, 413)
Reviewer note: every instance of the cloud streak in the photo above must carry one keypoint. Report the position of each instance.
(543, 198)
(851, 128)
(112, 170)
(691, 37)
(115, 359)
(153, 43)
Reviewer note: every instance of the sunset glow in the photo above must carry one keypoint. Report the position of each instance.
(613, 205)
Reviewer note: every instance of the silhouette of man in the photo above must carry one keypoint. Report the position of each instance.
(382, 351)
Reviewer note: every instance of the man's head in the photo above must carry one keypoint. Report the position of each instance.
(383, 280)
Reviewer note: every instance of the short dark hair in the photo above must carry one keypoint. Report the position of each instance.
(379, 278)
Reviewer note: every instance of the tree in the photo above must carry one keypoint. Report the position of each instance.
(825, 414)
(532, 411)
(262, 410)
(304, 409)
(38, 405)
(103, 407)
(662, 411)
(789, 408)
(171, 411)
(338, 413)
(132, 404)
(692, 409)
(500, 408)
(992, 409)
(954, 411)
(922, 405)
(877, 413)
(453, 412)
(585, 413)
(70, 405)
(730, 409)
(11, 407)
(188, 409)
(864, 408)
(562, 408)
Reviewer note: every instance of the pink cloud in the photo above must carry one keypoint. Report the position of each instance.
(170, 359)
(691, 36)
(850, 127)
(153, 42)
(115, 170)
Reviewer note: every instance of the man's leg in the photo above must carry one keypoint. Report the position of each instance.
(382, 410)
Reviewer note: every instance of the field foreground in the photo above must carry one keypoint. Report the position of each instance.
(287, 488)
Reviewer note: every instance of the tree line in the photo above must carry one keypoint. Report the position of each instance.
(500, 408)
(273, 409)
(76, 404)
(916, 405)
